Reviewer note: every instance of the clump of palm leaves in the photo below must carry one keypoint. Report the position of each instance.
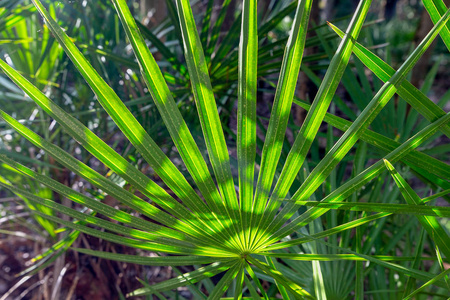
(263, 226)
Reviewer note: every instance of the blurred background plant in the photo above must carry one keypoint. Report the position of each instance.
(393, 30)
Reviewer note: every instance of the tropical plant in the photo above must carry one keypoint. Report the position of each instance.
(255, 231)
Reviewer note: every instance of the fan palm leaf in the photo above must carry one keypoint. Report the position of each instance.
(230, 224)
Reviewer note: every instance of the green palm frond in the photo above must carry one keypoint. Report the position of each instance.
(258, 222)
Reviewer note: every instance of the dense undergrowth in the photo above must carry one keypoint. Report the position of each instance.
(190, 160)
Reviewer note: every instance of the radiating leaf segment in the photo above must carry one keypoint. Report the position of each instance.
(226, 229)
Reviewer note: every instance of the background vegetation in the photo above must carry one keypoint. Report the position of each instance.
(385, 237)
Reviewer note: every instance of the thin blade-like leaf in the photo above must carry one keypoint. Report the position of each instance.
(427, 284)
(345, 190)
(431, 225)
(246, 126)
(292, 287)
(96, 206)
(150, 260)
(280, 111)
(168, 244)
(406, 90)
(280, 287)
(436, 9)
(435, 211)
(415, 158)
(222, 286)
(389, 265)
(216, 28)
(182, 280)
(332, 257)
(310, 126)
(105, 184)
(131, 128)
(411, 283)
(349, 138)
(239, 284)
(328, 232)
(207, 109)
(171, 115)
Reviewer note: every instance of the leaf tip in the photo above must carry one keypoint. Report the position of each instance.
(388, 165)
